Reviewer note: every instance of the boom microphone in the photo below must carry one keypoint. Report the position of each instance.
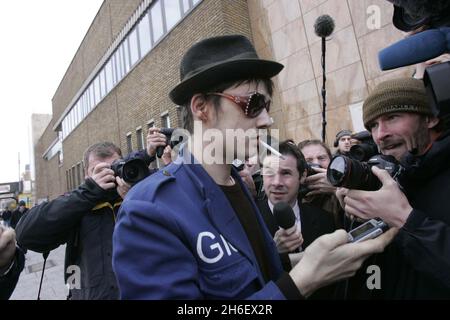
(324, 26)
(417, 48)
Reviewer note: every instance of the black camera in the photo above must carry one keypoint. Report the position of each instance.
(353, 174)
(133, 168)
(168, 133)
(436, 79)
(303, 190)
(309, 168)
(366, 149)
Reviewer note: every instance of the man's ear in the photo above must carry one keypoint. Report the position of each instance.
(199, 107)
(432, 122)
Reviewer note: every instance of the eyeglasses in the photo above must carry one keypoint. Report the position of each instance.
(252, 104)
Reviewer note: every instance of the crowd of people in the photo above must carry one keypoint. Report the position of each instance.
(199, 229)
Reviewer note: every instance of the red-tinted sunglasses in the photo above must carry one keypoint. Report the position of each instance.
(252, 104)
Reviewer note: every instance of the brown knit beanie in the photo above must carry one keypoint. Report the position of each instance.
(398, 95)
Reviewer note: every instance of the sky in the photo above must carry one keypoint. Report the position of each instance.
(38, 41)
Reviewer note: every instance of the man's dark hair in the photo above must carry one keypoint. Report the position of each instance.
(313, 142)
(288, 147)
(101, 150)
(187, 118)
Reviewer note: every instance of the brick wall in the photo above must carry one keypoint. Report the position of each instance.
(142, 95)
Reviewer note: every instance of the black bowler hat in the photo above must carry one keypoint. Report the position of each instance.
(216, 60)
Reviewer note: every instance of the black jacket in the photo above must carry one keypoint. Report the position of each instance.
(84, 219)
(8, 282)
(315, 221)
(15, 217)
(416, 265)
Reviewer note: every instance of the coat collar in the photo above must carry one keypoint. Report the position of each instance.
(219, 209)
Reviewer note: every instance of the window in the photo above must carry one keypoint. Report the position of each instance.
(82, 107)
(129, 143)
(157, 23)
(150, 124)
(79, 112)
(139, 139)
(172, 13)
(102, 83)
(119, 64)
(186, 5)
(165, 121)
(67, 180)
(74, 181)
(97, 89)
(109, 76)
(91, 96)
(126, 56)
(145, 39)
(79, 173)
(134, 48)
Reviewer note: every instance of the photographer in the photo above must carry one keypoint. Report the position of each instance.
(84, 219)
(416, 265)
(11, 262)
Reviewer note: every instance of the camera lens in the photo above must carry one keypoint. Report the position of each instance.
(131, 172)
(337, 171)
(134, 171)
(346, 172)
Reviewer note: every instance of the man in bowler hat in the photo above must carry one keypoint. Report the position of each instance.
(192, 230)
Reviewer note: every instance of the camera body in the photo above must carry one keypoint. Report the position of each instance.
(168, 133)
(303, 190)
(309, 168)
(352, 174)
(133, 168)
(368, 230)
(366, 149)
(436, 83)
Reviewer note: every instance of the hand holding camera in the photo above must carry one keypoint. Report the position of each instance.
(388, 203)
(318, 183)
(155, 139)
(104, 176)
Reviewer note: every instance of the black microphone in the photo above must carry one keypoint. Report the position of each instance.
(285, 218)
(284, 215)
(324, 26)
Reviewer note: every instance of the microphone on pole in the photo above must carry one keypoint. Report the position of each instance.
(323, 28)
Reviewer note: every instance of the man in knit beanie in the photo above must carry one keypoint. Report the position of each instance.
(398, 115)
(417, 263)
(343, 142)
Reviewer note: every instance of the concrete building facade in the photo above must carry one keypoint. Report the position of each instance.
(117, 84)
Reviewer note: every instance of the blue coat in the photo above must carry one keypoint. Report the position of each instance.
(177, 237)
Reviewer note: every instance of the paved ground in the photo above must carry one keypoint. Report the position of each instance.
(53, 287)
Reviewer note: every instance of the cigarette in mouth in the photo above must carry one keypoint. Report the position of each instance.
(268, 147)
